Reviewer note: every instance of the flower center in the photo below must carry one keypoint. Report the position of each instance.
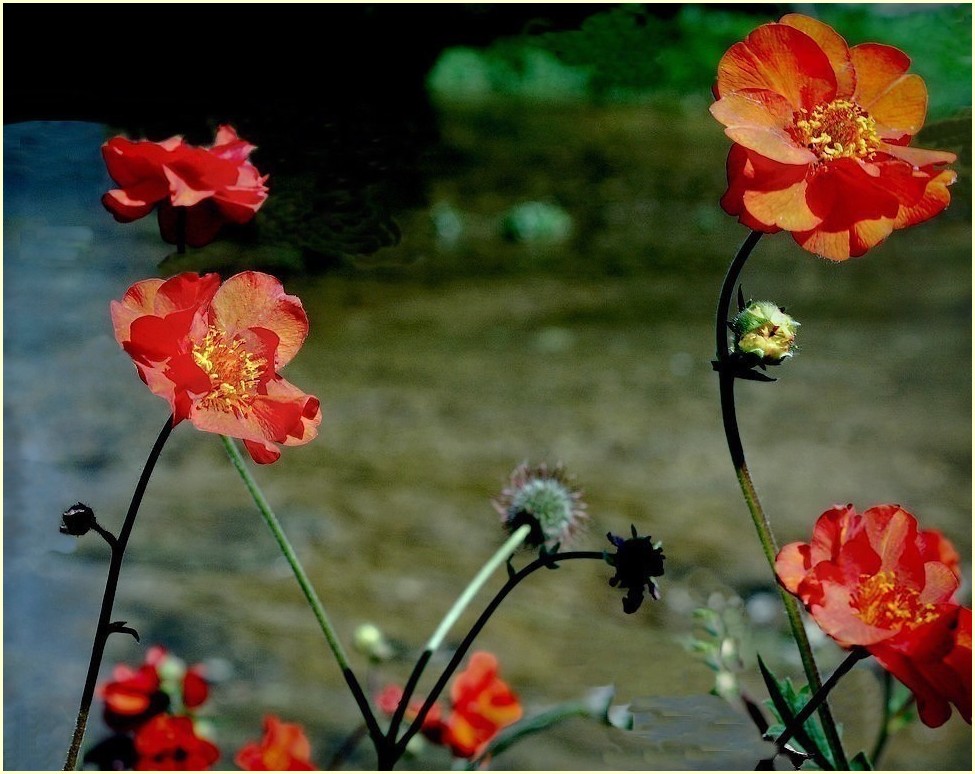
(837, 129)
(881, 602)
(234, 372)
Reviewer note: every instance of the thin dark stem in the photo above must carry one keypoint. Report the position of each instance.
(726, 381)
(512, 582)
(727, 289)
(857, 654)
(408, 694)
(108, 600)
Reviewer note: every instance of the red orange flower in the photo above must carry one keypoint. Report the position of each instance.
(209, 186)
(876, 581)
(284, 747)
(170, 743)
(213, 351)
(481, 705)
(821, 135)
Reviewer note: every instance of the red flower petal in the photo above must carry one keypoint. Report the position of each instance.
(284, 747)
(255, 300)
(779, 58)
(876, 581)
(833, 45)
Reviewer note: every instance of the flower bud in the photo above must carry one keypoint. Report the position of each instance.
(547, 500)
(77, 520)
(764, 330)
(370, 641)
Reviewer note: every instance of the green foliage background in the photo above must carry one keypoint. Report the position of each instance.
(630, 53)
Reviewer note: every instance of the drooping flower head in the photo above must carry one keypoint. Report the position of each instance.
(876, 581)
(637, 561)
(206, 187)
(481, 704)
(213, 351)
(284, 747)
(546, 500)
(171, 743)
(821, 134)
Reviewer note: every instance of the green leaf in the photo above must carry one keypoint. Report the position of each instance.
(786, 703)
(860, 762)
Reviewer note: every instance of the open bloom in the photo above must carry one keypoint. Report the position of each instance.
(213, 351)
(170, 743)
(821, 134)
(876, 581)
(481, 705)
(284, 747)
(206, 187)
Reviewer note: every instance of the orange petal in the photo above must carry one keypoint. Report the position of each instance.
(252, 299)
(833, 45)
(786, 208)
(791, 565)
(940, 583)
(918, 157)
(834, 245)
(758, 120)
(896, 101)
(782, 59)
(936, 198)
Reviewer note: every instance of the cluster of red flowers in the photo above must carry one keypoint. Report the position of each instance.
(821, 135)
(876, 581)
(213, 352)
(152, 710)
(202, 187)
(481, 704)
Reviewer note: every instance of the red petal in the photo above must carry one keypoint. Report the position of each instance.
(782, 59)
(256, 300)
(832, 44)
(758, 120)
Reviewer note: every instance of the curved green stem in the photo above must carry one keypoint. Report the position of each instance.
(104, 628)
(726, 380)
(305, 584)
(501, 555)
(513, 580)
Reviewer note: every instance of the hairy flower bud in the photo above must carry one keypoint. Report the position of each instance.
(546, 500)
(77, 520)
(765, 331)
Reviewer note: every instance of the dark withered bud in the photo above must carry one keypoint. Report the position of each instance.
(77, 520)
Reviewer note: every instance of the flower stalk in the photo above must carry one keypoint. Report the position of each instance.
(105, 626)
(304, 583)
(548, 561)
(726, 380)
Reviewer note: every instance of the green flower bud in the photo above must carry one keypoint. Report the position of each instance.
(765, 331)
(370, 641)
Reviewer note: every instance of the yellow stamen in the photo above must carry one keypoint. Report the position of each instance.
(234, 372)
(837, 129)
(881, 602)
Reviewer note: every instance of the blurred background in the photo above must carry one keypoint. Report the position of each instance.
(503, 222)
